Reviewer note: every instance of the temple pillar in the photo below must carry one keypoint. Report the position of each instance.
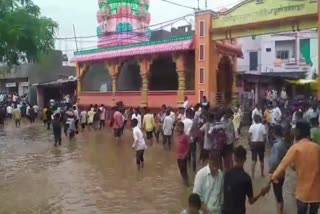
(180, 68)
(144, 72)
(206, 58)
(113, 69)
(81, 69)
(235, 93)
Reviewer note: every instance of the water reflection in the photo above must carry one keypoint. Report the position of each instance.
(91, 175)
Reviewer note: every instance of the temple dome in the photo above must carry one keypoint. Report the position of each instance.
(122, 22)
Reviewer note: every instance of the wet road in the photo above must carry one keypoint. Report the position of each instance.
(91, 175)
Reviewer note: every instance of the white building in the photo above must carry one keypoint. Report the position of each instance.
(290, 55)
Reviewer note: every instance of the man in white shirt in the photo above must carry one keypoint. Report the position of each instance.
(256, 111)
(36, 110)
(167, 128)
(275, 115)
(185, 105)
(9, 111)
(283, 94)
(257, 140)
(208, 184)
(139, 143)
(102, 116)
(188, 124)
(137, 116)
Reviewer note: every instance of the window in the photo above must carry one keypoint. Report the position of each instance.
(201, 95)
(201, 54)
(201, 33)
(201, 75)
(253, 61)
(268, 49)
(282, 54)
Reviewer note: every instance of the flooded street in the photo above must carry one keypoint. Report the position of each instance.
(91, 175)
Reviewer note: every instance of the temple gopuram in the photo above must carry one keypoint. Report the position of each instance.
(129, 65)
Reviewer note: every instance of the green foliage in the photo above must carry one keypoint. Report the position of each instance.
(24, 34)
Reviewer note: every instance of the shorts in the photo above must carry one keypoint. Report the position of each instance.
(83, 125)
(277, 189)
(149, 135)
(139, 156)
(117, 132)
(257, 149)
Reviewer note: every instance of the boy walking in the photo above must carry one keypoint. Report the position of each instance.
(138, 144)
(167, 128)
(56, 125)
(16, 113)
(278, 151)
(257, 140)
(238, 186)
(83, 119)
(182, 150)
(148, 125)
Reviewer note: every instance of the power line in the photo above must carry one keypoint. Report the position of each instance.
(130, 37)
(180, 5)
(153, 25)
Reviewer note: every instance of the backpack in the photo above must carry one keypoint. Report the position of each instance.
(217, 136)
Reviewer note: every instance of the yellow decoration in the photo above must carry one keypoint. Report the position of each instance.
(312, 83)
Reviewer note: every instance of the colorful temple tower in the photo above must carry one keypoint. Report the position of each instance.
(122, 22)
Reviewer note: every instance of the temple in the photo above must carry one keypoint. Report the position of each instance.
(130, 66)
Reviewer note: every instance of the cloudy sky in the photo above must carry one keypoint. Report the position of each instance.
(82, 13)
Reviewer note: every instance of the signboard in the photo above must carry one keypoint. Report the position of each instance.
(24, 84)
(254, 11)
(266, 17)
(11, 85)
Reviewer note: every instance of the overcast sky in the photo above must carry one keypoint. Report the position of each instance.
(82, 13)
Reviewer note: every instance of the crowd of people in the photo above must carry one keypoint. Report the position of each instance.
(16, 108)
(221, 184)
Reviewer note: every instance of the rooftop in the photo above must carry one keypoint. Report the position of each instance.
(179, 43)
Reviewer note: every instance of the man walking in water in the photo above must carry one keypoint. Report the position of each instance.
(117, 124)
(305, 156)
(208, 184)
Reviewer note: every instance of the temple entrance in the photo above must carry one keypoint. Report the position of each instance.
(224, 80)
(97, 78)
(129, 78)
(163, 75)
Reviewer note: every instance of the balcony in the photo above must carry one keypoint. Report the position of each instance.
(278, 66)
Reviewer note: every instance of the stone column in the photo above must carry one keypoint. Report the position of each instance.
(113, 69)
(235, 93)
(180, 68)
(81, 69)
(144, 72)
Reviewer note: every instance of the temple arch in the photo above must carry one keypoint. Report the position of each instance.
(163, 75)
(97, 78)
(129, 78)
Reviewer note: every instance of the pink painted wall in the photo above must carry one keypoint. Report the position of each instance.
(133, 99)
(88, 98)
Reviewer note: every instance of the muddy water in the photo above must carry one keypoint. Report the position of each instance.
(91, 175)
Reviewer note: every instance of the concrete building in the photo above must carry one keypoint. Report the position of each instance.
(25, 78)
(271, 59)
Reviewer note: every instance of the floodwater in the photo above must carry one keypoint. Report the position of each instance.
(92, 175)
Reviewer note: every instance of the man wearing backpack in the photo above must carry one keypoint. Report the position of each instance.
(215, 137)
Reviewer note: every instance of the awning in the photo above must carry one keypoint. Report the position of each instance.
(302, 82)
(56, 83)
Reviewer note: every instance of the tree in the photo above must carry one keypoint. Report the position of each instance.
(24, 34)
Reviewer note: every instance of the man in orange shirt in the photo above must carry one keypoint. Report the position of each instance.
(305, 158)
